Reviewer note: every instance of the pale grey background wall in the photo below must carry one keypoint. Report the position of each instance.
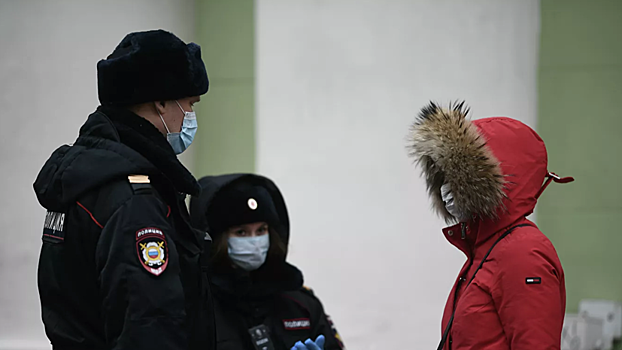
(338, 84)
(48, 56)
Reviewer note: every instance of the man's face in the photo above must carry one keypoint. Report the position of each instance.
(173, 115)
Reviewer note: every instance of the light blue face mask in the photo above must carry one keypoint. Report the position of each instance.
(249, 253)
(180, 141)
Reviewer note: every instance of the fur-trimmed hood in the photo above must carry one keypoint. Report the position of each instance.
(495, 167)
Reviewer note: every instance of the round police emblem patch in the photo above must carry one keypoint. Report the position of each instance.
(152, 250)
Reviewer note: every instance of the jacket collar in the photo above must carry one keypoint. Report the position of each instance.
(233, 283)
(476, 235)
(144, 138)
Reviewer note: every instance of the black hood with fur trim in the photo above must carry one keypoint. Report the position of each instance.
(495, 167)
(274, 276)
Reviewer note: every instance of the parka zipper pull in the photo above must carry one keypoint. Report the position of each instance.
(463, 229)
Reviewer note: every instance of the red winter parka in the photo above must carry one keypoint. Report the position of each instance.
(495, 168)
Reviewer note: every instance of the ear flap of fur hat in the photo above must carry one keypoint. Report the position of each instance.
(151, 66)
(450, 149)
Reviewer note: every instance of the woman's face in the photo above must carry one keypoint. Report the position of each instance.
(248, 230)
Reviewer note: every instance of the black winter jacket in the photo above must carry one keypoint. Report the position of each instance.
(120, 265)
(272, 296)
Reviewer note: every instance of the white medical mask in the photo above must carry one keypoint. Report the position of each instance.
(450, 204)
(180, 141)
(249, 253)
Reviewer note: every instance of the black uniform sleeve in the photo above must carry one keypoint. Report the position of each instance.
(323, 324)
(139, 278)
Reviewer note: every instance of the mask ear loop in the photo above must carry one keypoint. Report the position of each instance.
(162, 119)
(180, 107)
(553, 177)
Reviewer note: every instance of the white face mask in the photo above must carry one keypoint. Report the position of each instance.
(249, 253)
(450, 205)
(180, 141)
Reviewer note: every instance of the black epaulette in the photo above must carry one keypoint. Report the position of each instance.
(140, 184)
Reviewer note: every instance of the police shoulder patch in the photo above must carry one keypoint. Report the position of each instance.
(152, 249)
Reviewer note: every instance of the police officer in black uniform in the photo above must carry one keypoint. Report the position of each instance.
(259, 298)
(120, 266)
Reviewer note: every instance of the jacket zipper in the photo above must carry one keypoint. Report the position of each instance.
(460, 280)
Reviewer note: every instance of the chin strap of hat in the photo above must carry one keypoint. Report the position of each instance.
(553, 177)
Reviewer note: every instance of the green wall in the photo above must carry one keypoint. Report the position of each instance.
(225, 140)
(579, 117)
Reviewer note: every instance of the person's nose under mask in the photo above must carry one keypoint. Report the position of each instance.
(249, 253)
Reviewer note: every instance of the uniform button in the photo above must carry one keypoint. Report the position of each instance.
(450, 233)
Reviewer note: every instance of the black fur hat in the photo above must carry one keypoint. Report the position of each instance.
(151, 66)
(239, 204)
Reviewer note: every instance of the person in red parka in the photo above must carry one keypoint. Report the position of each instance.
(485, 176)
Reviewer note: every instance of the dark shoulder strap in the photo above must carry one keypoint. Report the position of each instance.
(451, 320)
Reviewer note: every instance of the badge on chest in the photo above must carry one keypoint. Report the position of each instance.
(261, 338)
(297, 324)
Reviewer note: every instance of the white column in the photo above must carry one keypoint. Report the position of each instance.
(338, 84)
